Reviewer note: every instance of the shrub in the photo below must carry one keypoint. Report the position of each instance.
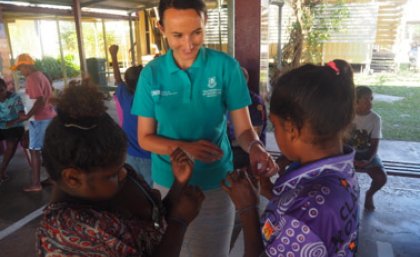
(52, 67)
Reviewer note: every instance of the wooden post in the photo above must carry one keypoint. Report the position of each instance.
(79, 31)
(247, 38)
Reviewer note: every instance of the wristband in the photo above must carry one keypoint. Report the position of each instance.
(254, 142)
(246, 209)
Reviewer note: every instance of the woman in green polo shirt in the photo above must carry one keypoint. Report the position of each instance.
(182, 100)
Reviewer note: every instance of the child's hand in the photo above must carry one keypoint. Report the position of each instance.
(188, 204)
(182, 165)
(266, 187)
(361, 164)
(241, 191)
(23, 116)
(113, 50)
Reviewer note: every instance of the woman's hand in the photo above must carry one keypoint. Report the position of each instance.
(188, 205)
(262, 164)
(241, 190)
(182, 165)
(203, 150)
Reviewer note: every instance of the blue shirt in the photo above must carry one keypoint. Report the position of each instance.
(191, 105)
(129, 125)
(9, 110)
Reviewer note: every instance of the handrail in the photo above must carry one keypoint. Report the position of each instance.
(392, 168)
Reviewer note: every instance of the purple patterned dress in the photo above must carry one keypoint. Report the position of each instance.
(314, 211)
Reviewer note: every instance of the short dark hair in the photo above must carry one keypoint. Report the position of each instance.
(198, 5)
(131, 77)
(362, 91)
(318, 96)
(82, 135)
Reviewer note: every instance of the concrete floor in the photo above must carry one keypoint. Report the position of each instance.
(393, 229)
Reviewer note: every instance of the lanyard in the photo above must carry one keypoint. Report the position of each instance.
(155, 208)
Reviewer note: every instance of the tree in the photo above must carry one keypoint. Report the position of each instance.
(312, 26)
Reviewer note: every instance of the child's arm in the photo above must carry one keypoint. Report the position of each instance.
(184, 204)
(182, 166)
(113, 50)
(245, 199)
(373, 149)
(186, 209)
(14, 121)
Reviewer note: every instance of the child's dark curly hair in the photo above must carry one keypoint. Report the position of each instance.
(82, 135)
(321, 97)
(131, 77)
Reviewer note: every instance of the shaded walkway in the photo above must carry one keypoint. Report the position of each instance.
(394, 225)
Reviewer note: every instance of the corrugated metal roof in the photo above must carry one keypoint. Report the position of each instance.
(127, 5)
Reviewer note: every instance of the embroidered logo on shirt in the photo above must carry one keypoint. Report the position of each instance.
(212, 82)
(163, 93)
(212, 92)
(155, 92)
(268, 229)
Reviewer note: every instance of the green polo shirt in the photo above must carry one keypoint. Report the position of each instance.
(191, 105)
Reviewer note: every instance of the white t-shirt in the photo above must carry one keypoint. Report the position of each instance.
(371, 123)
(365, 128)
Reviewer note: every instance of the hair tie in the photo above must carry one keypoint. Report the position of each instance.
(333, 66)
(70, 125)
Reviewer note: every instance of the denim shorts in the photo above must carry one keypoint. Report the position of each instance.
(375, 162)
(37, 130)
(142, 166)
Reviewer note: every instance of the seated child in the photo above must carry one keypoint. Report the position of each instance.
(313, 208)
(11, 127)
(138, 158)
(99, 206)
(365, 135)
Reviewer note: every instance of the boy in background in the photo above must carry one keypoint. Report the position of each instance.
(365, 136)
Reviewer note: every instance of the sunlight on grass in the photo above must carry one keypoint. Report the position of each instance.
(401, 118)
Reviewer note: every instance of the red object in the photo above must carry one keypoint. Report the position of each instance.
(333, 66)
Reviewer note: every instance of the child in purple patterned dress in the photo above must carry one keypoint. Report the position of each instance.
(313, 208)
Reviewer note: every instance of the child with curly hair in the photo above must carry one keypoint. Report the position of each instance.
(99, 206)
(313, 208)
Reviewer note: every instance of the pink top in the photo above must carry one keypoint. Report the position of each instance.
(119, 111)
(38, 85)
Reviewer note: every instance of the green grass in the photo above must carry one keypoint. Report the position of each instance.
(400, 119)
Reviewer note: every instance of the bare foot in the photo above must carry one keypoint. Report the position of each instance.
(369, 206)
